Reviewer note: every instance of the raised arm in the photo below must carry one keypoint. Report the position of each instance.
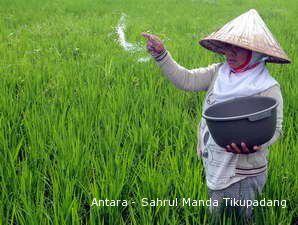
(189, 80)
(186, 79)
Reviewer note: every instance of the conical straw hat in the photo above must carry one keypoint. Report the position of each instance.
(250, 32)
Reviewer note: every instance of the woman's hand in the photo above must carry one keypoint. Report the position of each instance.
(243, 149)
(154, 45)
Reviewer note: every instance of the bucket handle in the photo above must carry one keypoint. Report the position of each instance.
(260, 116)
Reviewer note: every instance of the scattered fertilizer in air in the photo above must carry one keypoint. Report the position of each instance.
(144, 59)
(120, 29)
(131, 47)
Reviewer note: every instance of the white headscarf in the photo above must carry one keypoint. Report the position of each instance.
(255, 79)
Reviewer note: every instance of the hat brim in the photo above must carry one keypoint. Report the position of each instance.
(217, 46)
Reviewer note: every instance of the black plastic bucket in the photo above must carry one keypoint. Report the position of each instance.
(251, 120)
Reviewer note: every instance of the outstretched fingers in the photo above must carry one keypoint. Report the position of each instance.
(146, 35)
(151, 37)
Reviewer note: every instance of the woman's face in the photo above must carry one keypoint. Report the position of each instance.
(235, 56)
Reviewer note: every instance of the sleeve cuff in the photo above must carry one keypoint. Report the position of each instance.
(161, 56)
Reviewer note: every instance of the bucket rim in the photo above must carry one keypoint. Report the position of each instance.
(213, 118)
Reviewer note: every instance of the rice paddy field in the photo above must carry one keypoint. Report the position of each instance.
(85, 114)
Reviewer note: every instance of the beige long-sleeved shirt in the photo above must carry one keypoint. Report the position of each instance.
(221, 168)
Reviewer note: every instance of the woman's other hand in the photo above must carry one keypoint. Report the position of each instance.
(243, 149)
(155, 45)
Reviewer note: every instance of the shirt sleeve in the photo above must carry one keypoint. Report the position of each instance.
(275, 93)
(194, 80)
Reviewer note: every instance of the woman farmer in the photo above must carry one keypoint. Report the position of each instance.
(234, 172)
